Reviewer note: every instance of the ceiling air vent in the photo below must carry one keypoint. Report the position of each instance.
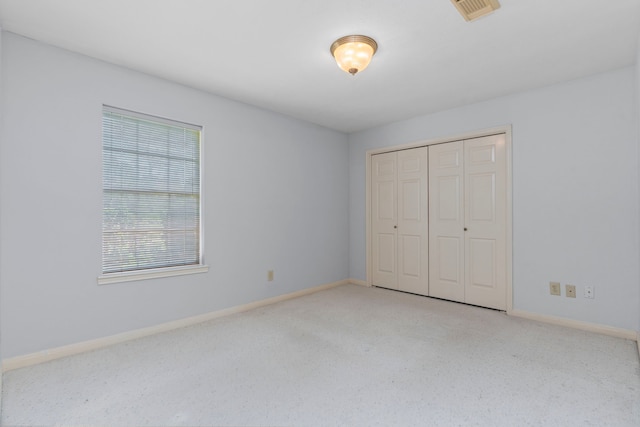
(474, 9)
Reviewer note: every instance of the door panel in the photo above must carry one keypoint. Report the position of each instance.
(482, 254)
(383, 220)
(386, 198)
(446, 214)
(485, 218)
(411, 199)
(410, 264)
(413, 221)
(449, 198)
(386, 253)
(449, 267)
(482, 197)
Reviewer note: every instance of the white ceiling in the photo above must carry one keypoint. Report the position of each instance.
(275, 54)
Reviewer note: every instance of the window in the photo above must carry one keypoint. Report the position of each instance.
(151, 196)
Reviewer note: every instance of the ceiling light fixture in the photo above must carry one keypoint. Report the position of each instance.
(353, 53)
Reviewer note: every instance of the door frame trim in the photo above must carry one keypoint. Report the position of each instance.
(507, 131)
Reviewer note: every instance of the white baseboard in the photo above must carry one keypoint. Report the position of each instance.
(577, 324)
(358, 282)
(69, 350)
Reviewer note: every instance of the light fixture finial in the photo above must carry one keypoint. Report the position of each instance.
(353, 53)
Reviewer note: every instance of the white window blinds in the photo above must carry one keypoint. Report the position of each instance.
(151, 192)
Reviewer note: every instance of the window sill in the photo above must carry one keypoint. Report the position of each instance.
(157, 273)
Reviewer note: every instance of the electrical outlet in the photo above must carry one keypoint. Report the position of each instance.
(570, 291)
(590, 292)
(554, 288)
(270, 275)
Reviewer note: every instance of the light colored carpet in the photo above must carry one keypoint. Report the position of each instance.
(347, 356)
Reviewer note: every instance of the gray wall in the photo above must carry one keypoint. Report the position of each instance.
(575, 191)
(1, 127)
(275, 197)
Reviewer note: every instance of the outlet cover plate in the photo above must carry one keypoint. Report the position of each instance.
(554, 288)
(570, 291)
(590, 292)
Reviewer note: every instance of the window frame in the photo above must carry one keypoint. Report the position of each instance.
(159, 272)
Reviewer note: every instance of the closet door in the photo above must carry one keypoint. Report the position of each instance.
(446, 221)
(467, 221)
(399, 220)
(413, 221)
(485, 221)
(384, 220)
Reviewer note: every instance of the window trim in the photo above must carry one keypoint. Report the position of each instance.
(152, 273)
(155, 273)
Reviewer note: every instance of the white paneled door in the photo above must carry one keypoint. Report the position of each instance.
(485, 221)
(413, 221)
(400, 220)
(467, 230)
(384, 220)
(446, 221)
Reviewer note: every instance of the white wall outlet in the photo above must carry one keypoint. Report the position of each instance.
(590, 292)
(554, 288)
(270, 275)
(570, 291)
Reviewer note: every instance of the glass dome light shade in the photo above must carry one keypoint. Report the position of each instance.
(353, 53)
